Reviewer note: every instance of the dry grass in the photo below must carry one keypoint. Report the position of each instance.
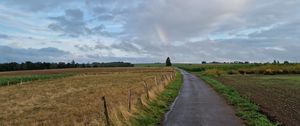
(77, 100)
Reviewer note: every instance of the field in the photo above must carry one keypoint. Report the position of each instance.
(76, 99)
(275, 88)
(11, 80)
(278, 96)
(266, 69)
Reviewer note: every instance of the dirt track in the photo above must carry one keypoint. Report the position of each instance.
(199, 105)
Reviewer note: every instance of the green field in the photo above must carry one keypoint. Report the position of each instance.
(11, 80)
(150, 65)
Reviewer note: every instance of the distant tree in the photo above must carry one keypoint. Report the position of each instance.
(28, 65)
(286, 62)
(73, 63)
(168, 62)
(203, 62)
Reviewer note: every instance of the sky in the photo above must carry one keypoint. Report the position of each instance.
(147, 31)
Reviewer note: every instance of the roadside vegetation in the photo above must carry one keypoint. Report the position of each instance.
(245, 109)
(152, 114)
(262, 94)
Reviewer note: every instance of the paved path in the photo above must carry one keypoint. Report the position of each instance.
(199, 105)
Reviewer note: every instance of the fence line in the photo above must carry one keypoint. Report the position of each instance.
(164, 78)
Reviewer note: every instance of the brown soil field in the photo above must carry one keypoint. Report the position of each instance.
(278, 96)
(77, 100)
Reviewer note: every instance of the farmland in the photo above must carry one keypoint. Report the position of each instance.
(278, 96)
(274, 88)
(266, 69)
(11, 80)
(76, 99)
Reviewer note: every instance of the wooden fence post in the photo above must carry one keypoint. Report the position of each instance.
(139, 102)
(105, 112)
(156, 81)
(163, 80)
(129, 100)
(146, 89)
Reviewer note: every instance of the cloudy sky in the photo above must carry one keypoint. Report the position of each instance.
(149, 30)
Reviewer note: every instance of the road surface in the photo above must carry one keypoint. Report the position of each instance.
(199, 105)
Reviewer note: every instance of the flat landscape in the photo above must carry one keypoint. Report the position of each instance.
(76, 99)
(272, 90)
(278, 95)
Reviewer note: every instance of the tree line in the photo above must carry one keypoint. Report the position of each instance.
(28, 65)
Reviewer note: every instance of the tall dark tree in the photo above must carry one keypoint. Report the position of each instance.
(168, 62)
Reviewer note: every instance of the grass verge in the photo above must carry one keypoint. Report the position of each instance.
(245, 109)
(5, 81)
(151, 115)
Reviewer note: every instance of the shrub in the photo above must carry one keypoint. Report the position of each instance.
(269, 72)
(233, 72)
(249, 71)
(213, 72)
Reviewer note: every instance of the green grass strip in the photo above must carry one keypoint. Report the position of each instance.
(151, 115)
(4, 81)
(245, 109)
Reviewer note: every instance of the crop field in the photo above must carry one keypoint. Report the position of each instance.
(11, 80)
(278, 95)
(266, 69)
(275, 88)
(77, 99)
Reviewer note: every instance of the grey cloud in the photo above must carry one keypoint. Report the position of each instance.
(49, 54)
(179, 19)
(289, 30)
(99, 58)
(126, 46)
(4, 36)
(161, 28)
(100, 46)
(123, 46)
(71, 24)
(36, 5)
(84, 47)
(106, 17)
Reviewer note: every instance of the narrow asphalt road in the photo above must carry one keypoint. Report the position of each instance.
(199, 105)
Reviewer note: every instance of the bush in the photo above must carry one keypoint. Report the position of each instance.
(233, 72)
(269, 72)
(213, 72)
(250, 71)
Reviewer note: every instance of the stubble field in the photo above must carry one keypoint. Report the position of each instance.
(76, 99)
